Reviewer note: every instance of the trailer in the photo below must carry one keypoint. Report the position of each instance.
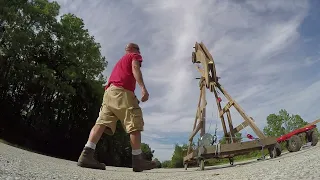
(294, 139)
(207, 147)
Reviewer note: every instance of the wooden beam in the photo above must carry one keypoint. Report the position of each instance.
(233, 149)
(202, 57)
(189, 156)
(240, 127)
(254, 127)
(195, 131)
(196, 118)
(313, 123)
(198, 111)
(230, 126)
(219, 109)
(206, 52)
(242, 146)
(210, 61)
(199, 107)
(203, 114)
(190, 144)
(226, 108)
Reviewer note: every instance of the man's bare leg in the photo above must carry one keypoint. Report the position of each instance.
(95, 135)
(86, 158)
(135, 140)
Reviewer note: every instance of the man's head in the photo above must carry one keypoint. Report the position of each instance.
(132, 48)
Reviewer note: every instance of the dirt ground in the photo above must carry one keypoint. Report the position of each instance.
(16, 163)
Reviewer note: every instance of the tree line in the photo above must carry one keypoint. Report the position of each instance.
(51, 83)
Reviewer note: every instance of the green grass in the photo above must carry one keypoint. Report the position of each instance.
(8, 143)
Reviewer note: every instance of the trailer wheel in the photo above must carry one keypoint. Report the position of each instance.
(231, 161)
(272, 153)
(201, 164)
(275, 151)
(278, 149)
(314, 138)
(294, 143)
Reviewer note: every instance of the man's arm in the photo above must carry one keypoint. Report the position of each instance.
(138, 74)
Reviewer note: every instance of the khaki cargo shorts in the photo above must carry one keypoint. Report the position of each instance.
(120, 104)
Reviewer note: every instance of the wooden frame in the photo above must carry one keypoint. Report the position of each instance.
(209, 80)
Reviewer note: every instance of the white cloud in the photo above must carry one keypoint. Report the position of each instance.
(256, 48)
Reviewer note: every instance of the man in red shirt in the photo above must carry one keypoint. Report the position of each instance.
(120, 103)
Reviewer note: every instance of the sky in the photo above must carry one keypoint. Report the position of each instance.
(267, 54)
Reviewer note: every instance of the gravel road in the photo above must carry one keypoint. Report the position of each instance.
(20, 164)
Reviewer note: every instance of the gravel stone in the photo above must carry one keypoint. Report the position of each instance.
(19, 164)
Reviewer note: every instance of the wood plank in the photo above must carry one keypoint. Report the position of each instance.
(241, 146)
(203, 114)
(203, 59)
(240, 127)
(313, 123)
(189, 156)
(219, 109)
(190, 148)
(195, 131)
(206, 51)
(196, 119)
(210, 61)
(198, 111)
(230, 126)
(233, 149)
(226, 108)
(254, 127)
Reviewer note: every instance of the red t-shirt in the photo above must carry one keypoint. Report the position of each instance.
(122, 75)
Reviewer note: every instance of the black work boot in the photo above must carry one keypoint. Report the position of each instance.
(87, 160)
(139, 164)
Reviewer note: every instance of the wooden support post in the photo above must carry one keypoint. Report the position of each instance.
(242, 113)
(226, 108)
(195, 131)
(198, 111)
(221, 117)
(189, 148)
(203, 114)
(230, 126)
(240, 127)
(313, 123)
(199, 115)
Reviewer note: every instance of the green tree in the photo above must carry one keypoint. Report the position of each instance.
(166, 164)
(51, 83)
(148, 153)
(283, 123)
(177, 157)
(157, 162)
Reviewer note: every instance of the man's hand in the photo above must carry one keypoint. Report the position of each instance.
(138, 76)
(145, 95)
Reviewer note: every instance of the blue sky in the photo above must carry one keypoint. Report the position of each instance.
(267, 54)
